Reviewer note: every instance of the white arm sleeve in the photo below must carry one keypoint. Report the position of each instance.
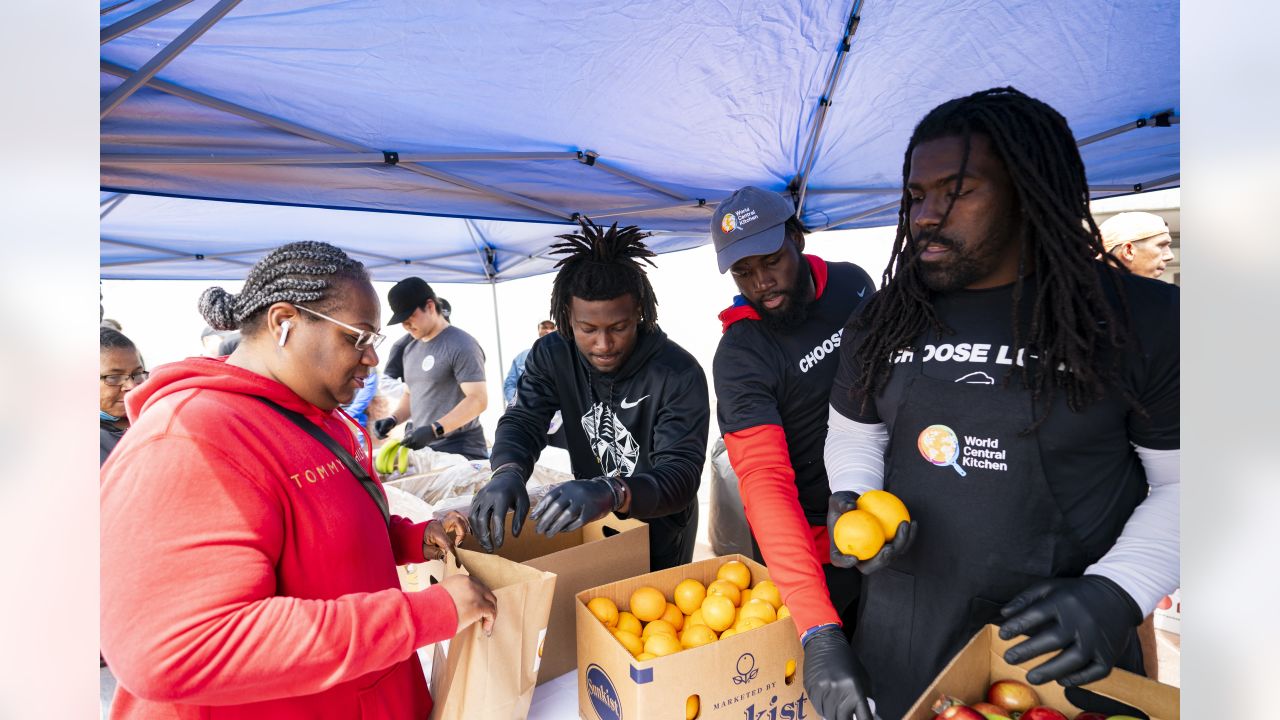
(1144, 560)
(854, 453)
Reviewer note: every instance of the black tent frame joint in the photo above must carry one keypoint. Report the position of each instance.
(1163, 119)
(390, 158)
(199, 256)
(588, 157)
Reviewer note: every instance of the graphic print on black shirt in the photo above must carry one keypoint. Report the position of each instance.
(1088, 459)
(769, 378)
(614, 446)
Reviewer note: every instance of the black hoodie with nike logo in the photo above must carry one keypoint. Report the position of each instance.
(646, 423)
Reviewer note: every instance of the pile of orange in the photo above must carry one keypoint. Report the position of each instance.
(695, 615)
(862, 532)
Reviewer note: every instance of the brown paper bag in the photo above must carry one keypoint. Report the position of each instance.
(474, 677)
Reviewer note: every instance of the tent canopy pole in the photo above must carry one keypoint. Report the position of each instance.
(165, 56)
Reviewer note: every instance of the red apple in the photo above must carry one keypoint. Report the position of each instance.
(1040, 712)
(1090, 716)
(1012, 695)
(991, 712)
(959, 712)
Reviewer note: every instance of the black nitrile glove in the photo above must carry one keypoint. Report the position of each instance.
(571, 505)
(834, 677)
(842, 502)
(505, 492)
(383, 426)
(417, 438)
(1089, 618)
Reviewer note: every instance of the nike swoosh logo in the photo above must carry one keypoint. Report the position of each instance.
(863, 291)
(628, 405)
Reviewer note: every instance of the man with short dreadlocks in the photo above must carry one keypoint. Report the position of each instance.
(634, 403)
(1000, 386)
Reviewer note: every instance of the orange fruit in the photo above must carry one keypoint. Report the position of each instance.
(767, 591)
(736, 572)
(648, 604)
(646, 656)
(629, 641)
(791, 669)
(758, 609)
(718, 612)
(661, 644)
(784, 612)
(691, 707)
(746, 596)
(658, 626)
(697, 636)
(858, 533)
(695, 619)
(689, 595)
(727, 633)
(628, 622)
(604, 610)
(727, 589)
(750, 623)
(673, 616)
(887, 508)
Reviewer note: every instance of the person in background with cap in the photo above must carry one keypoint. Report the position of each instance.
(1140, 240)
(444, 375)
(773, 371)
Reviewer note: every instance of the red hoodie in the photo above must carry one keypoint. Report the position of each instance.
(245, 571)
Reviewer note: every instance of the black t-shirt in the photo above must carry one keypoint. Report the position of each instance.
(1087, 457)
(771, 378)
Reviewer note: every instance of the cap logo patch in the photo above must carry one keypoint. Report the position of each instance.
(744, 216)
(727, 223)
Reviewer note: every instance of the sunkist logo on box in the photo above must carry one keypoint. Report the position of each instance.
(604, 697)
(745, 671)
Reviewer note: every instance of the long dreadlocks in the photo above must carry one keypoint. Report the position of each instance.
(1070, 318)
(602, 265)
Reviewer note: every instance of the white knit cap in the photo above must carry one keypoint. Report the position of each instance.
(1131, 227)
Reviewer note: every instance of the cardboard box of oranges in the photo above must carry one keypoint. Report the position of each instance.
(706, 640)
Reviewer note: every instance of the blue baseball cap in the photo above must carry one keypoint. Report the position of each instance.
(749, 222)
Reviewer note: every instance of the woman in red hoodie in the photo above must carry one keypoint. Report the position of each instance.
(248, 561)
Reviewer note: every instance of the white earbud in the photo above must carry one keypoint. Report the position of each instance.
(284, 331)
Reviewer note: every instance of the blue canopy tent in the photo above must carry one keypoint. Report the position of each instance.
(454, 140)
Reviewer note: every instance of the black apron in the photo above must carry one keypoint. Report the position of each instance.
(988, 528)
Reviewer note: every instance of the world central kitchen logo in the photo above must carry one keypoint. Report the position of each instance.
(745, 671)
(604, 697)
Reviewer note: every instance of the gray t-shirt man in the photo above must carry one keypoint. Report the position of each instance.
(433, 371)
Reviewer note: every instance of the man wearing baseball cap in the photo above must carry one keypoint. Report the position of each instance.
(443, 373)
(773, 373)
(1140, 240)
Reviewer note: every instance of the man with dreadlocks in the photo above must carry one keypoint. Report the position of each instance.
(248, 555)
(1000, 386)
(773, 372)
(634, 403)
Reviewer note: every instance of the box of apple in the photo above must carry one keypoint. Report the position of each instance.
(979, 685)
(1009, 700)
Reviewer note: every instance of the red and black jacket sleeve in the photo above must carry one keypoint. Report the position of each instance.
(747, 386)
